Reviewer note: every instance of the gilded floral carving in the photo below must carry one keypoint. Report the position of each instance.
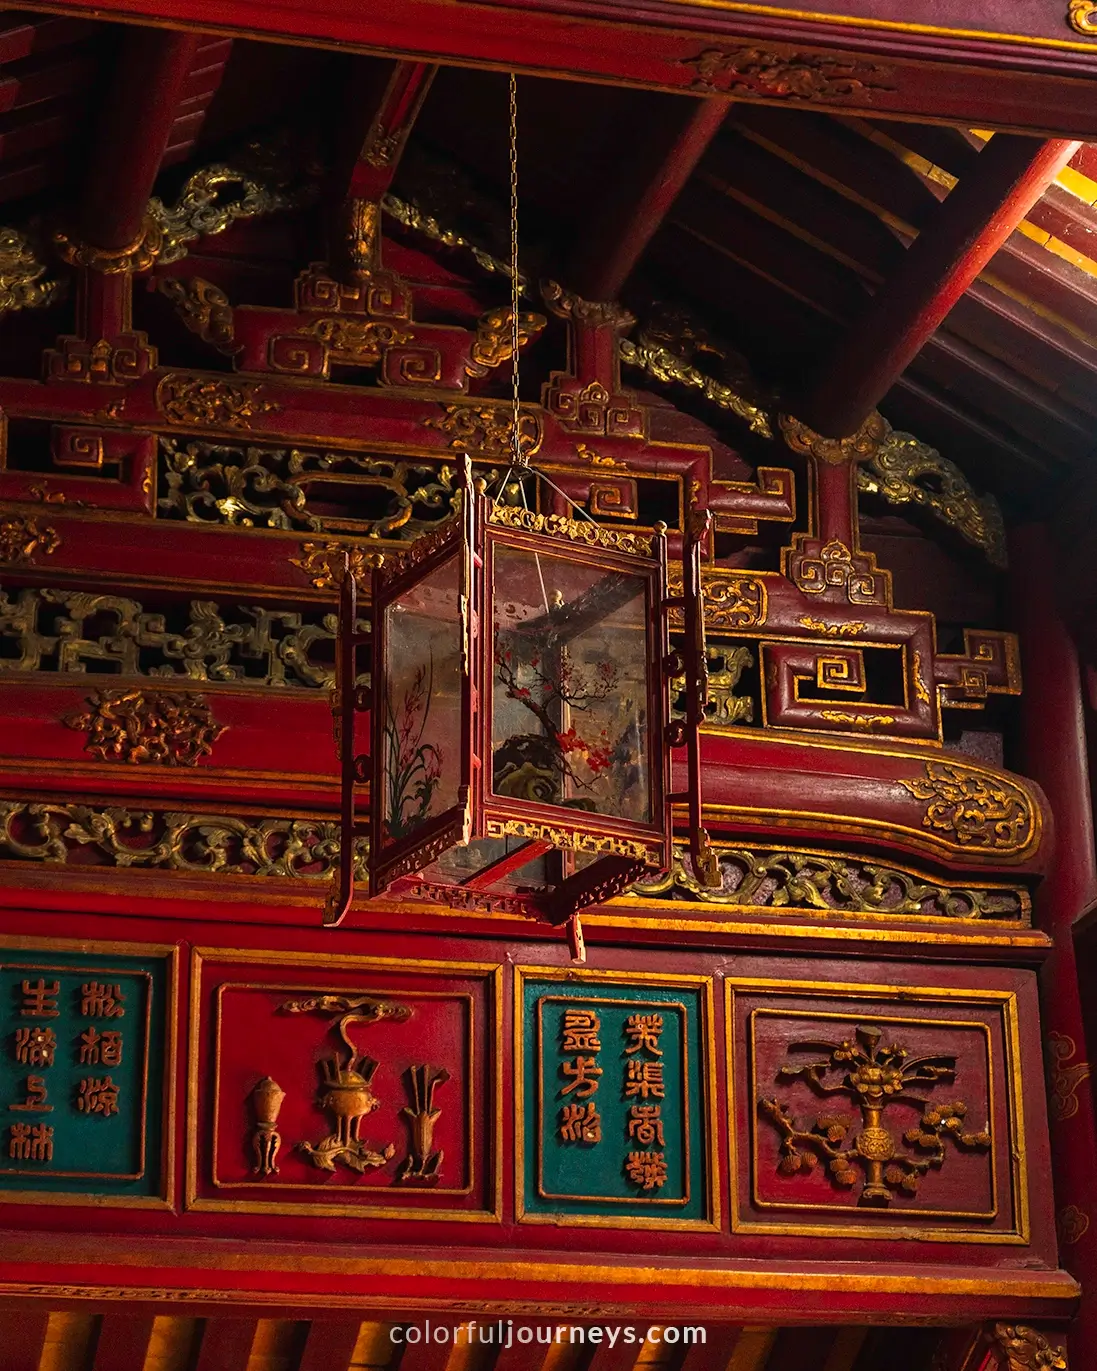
(1065, 1075)
(137, 726)
(794, 76)
(976, 808)
(206, 402)
(22, 538)
(1027, 1350)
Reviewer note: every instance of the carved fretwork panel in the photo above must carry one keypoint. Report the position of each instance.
(347, 416)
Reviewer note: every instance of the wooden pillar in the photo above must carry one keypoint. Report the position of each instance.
(1054, 743)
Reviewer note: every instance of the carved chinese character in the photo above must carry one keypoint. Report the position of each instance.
(98, 1096)
(643, 1031)
(648, 1170)
(35, 1046)
(584, 1072)
(30, 1142)
(645, 1124)
(101, 1001)
(39, 999)
(35, 1103)
(644, 1079)
(580, 1123)
(581, 1028)
(100, 1049)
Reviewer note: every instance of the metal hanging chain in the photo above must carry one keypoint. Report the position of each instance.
(519, 461)
(515, 290)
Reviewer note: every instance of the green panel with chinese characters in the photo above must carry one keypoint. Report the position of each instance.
(614, 1110)
(82, 1073)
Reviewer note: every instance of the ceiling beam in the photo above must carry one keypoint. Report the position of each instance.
(375, 130)
(971, 225)
(645, 190)
(133, 134)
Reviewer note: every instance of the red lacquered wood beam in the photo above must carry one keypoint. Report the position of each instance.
(965, 233)
(424, 1356)
(612, 246)
(134, 129)
(379, 113)
(1054, 740)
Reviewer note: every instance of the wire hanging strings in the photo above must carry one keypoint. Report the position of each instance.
(515, 290)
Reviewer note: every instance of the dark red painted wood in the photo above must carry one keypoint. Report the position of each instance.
(225, 1344)
(659, 167)
(123, 1342)
(980, 213)
(1054, 740)
(426, 1357)
(714, 1353)
(330, 1345)
(133, 133)
(22, 1335)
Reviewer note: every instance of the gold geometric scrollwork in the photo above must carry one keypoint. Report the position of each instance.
(1065, 1075)
(135, 726)
(872, 1073)
(905, 471)
(1027, 1350)
(1082, 16)
(977, 808)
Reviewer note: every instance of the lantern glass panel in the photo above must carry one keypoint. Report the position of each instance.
(421, 703)
(570, 667)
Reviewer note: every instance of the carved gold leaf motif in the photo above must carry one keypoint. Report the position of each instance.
(977, 808)
(797, 76)
(662, 365)
(23, 281)
(204, 402)
(1082, 16)
(1027, 1350)
(22, 538)
(872, 1073)
(135, 726)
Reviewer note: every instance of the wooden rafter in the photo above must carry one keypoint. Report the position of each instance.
(975, 220)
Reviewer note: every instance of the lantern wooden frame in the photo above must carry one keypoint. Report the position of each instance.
(462, 558)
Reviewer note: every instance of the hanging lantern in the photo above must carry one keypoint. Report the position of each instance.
(522, 680)
(521, 729)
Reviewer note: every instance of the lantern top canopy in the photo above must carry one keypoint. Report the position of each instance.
(520, 713)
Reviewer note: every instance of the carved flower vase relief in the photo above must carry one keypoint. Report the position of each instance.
(874, 1074)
